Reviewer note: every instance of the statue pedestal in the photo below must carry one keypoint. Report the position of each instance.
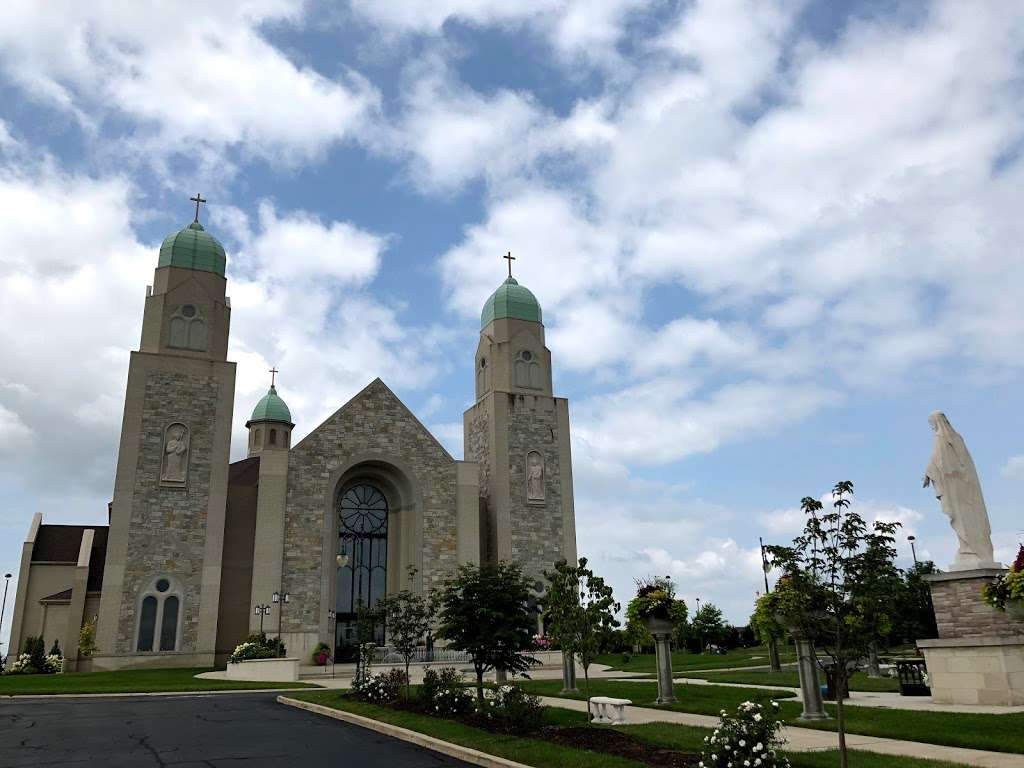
(978, 657)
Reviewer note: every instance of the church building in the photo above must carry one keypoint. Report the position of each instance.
(200, 551)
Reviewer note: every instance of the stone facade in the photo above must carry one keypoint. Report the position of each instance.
(156, 509)
(377, 429)
(960, 612)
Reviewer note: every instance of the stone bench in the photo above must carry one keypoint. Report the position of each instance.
(608, 710)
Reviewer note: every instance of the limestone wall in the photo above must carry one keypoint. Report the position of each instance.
(960, 612)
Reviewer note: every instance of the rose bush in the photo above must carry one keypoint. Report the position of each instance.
(747, 738)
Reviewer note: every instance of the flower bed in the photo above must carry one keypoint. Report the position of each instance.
(1007, 590)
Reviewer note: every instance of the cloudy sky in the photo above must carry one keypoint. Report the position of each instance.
(769, 237)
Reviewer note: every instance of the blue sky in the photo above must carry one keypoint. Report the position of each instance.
(769, 237)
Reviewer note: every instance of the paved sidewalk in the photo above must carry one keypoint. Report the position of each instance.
(808, 740)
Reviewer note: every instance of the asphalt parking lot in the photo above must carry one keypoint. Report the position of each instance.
(188, 731)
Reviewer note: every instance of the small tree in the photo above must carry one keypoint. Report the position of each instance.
(484, 612)
(708, 624)
(407, 616)
(87, 638)
(581, 612)
(826, 582)
(765, 624)
(914, 617)
(55, 649)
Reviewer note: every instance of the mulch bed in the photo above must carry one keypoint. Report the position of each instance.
(620, 744)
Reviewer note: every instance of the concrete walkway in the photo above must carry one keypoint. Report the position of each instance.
(809, 740)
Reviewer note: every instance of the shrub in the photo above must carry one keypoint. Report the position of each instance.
(749, 737)
(257, 646)
(22, 666)
(53, 664)
(627, 657)
(444, 693)
(384, 688)
(513, 709)
(87, 638)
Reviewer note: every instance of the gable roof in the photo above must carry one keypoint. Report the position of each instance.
(377, 385)
(60, 544)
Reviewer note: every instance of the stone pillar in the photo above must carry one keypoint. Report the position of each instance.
(810, 686)
(568, 673)
(661, 631)
(500, 676)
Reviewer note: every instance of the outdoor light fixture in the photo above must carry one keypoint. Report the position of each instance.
(913, 551)
(342, 560)
(277, 597)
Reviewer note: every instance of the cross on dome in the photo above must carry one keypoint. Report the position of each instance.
(197, 200)
(510, 258)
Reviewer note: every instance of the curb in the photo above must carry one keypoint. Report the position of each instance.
(465, 754)
(128, 694)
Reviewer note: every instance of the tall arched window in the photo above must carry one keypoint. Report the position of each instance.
(160, 607)
(526, 370)
(362, 556)
(188, 328)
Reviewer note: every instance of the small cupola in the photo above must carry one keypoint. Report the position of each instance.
(270, 426)
(511, 300)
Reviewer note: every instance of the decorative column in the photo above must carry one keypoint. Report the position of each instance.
(568, 673)
(810, 687)
(661, 631)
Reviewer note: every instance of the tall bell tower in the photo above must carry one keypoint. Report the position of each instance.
(161, 582)
(518, 433)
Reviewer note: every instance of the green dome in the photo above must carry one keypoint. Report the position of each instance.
(271, 408)
(511, 300)
(193, 248)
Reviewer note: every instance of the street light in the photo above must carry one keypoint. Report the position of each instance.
(773, 649)
(280, 598)
(332, 619)
(702, 626)
(261, 611)
(913, 551)
(7, 581)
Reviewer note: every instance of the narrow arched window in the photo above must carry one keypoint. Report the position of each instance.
(187, 329)
(159, 616)
(273, 437)
(147, 624)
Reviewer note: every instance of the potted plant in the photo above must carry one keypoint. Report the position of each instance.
(1006, 592)
(656, 606)
(321, 654)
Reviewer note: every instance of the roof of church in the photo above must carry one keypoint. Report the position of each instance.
(193, 248)
(60, 544)
(511, 300)
(271, 408)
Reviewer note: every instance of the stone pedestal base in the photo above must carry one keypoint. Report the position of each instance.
(976, 670)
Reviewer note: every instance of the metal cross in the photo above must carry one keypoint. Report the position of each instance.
(197, 200)
(273, 374)
(510, 258)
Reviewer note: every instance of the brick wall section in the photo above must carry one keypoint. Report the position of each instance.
(374, 422)
(960, 612)
(168, 525)
(536, 528)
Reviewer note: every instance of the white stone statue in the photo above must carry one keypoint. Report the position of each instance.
(175, 454)
(534, 476)
(952, 474)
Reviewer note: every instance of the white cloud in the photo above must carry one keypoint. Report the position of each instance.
(197, 74)
(1013, 469)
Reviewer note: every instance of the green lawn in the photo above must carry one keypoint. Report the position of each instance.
(859, 682)
(544, 754)
(127, 681)
(700, 699)
(741, 657)
(999, 733)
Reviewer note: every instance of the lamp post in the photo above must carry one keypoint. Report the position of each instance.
(261, 611)
(332, 621)
(280, 598)
(7, 581)
(773, 648)
(695, 616)
(913, 550)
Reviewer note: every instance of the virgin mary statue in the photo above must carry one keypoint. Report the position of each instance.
(952, 474)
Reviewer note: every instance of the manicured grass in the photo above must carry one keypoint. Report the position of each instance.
(741, 657)
(534, 752)
(859, 682)
(700, 699)
(543, 754)
(127, 681)
(998, 733)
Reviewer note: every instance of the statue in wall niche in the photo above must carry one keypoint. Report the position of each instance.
(534, 476)
(952, 475)
(175, 454)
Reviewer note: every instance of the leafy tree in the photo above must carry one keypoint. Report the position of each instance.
(914, 615)
(407, 616)
(764, 624)
(825, 580)
(484, 611)
(709, 625)
(581, 612)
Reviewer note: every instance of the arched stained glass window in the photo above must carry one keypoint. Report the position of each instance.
(147, 624)
(362, 555)
(169, 625)
(159, 612)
